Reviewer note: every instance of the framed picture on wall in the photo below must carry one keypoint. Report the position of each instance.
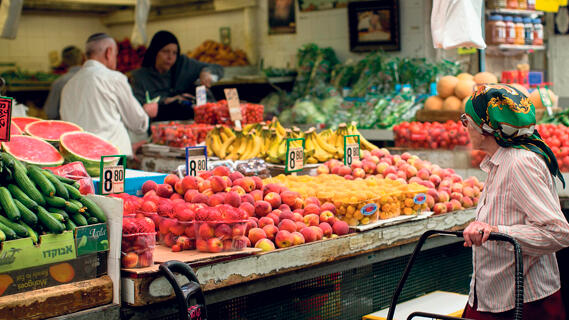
(374, 25)
(282, 17)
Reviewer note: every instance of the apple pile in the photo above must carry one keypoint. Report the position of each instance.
(138, 242)
(447, 190)
(557, 138)
(223, 210)
(430, 135)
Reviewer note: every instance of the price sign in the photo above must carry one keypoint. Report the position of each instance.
(112, 174)
(201, 97)
(294, 156)
(545, 99)
(233, 104)
(196, 160)
(351, 150)
(5, 118)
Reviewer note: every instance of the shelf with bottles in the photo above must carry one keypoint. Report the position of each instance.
(521, 47)
(518, 12)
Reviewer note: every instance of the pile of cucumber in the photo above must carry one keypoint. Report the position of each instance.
(35, 201)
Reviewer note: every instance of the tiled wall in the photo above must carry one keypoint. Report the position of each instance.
(40, 34)
(192, 31)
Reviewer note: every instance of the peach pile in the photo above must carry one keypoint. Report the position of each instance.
(218, 204)
(447, 191)
(138, 242)
(351, 196)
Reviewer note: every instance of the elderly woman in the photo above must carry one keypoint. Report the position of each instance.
(519, 199)
(171, 76)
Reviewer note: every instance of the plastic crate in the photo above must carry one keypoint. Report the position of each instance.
(134, 179)
(535, 78)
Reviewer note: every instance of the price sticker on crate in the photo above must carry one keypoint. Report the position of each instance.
(294, 155)
(201, 96)
(5, 117)
(196, 160)
(351, 149)
(112, 174)
(234, 106)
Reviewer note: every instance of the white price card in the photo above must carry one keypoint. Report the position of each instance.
(352, 153)
(196, 160)
(112, 180)
(201, 97)
(233, 104)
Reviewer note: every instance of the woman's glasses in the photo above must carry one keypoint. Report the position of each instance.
(464, 120)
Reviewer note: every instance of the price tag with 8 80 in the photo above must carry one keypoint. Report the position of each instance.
(112, 175)
(196, 160)
(294, 156)
(351, 150)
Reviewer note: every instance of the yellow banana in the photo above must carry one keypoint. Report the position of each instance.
(225, 146)
(216, 144)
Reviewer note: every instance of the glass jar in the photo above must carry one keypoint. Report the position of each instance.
(520, 31)
(528, 31)
(496, 30)
(522, 4)
(510, 30)
(537, 32)
(512, 4)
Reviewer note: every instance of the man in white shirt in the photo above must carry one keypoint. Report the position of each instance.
(100, 100)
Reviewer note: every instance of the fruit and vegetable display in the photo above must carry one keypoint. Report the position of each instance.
(214, 52)
(557, 138)
(138, 242)
(430, 135)
(35, 201)
(129, 57)
(452, 91)
(218, 113)
(269, 142)
(358, 202)
(179, 135)
(12, 77)
(36, 143)
(222, 210)
(447, 191)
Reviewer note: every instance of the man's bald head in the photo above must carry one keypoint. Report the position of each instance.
(103, 48)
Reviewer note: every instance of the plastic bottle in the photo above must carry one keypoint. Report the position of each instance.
(520, 31)
(537, 32)
(496, 30)
(512, 4)
(531, 4)
(522, 4)
(528, 31)
(510, 30)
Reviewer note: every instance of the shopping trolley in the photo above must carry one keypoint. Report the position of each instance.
(189, 297)
(518, 275)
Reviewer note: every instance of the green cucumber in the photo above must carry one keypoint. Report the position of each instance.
(8, 204)
(18, 229)
(94, 209)
(45, 186)
(26, 215)
(73, 192)
(76, 185)
(64, 179)
(60, 189)
(56, 202)
(57, 216)
(49, 223)
(21, 196)
(10, 234)
(72, 208)
(79, 219)
(92, 220)
(70, 225)
(60, 211)
(32, 232)
(26, 184)
(11, 162)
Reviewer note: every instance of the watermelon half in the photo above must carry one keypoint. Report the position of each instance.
(87, 148)
(15, 130)
(22, 122)
(33, 150)
(51, 130)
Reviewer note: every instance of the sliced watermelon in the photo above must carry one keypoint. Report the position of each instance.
(22, 122)
(87, 148)
(33, 151)
(51, 130)
(15, 130)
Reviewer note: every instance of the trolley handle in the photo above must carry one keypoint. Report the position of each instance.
(518, 276)
(187, 291)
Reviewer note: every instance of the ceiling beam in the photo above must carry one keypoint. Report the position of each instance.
(90, 2)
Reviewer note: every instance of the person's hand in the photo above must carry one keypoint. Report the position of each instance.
(151, 109)
(178, 98)
(477, 233)
(205, 78)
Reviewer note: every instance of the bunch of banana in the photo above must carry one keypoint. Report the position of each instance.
(218, 141)
(364, 143)
(319, 149)
(275, 124)
(274, 143)
(244, 146)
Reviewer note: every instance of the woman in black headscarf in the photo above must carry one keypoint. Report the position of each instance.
(171, 76)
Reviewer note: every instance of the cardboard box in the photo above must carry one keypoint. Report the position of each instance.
(91, 239)
(86, 267)
(134, 179)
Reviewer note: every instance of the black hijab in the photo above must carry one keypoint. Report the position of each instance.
(159, 41)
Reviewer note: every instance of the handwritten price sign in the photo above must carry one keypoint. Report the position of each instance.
(196, 160)
(294, 156)
(5, 118)
(112, 175)
(351, 150)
